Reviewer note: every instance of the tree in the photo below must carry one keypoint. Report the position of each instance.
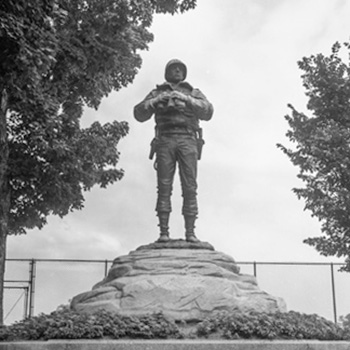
(58, 56)
(323, 150)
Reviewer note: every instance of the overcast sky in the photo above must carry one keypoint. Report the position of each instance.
(242, 54)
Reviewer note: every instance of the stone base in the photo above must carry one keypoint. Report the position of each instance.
(183, 282)
(177, 244)
(176, 345)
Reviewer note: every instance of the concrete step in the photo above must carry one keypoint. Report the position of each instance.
(176, 345)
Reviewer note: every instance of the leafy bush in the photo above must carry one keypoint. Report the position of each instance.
(67, 324)
(345, 321)
(289, 325)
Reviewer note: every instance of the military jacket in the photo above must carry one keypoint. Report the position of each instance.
(175, 113)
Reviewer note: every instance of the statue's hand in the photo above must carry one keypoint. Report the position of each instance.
(161, 98)
(180, 96)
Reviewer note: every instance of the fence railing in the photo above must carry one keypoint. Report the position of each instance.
(332, 279)
(29, 285)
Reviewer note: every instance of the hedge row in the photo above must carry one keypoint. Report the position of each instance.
(67, 324)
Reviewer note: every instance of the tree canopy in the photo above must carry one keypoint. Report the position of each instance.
(56, 57)
(322, 151)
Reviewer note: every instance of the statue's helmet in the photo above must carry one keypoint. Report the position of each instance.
(172, 63)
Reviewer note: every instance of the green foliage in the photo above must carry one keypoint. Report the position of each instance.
(82, 49)
(66, 324)
(48, 177)
(322, 150)
(58, 56)
(290, 325)
(345, 321)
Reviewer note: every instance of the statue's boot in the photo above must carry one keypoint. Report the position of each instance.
(189, 226)
(164, 227)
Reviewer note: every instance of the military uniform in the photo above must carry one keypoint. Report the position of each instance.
(177, 141)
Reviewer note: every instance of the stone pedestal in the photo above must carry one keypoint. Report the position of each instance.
(186, 281)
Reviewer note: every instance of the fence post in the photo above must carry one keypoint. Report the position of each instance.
(32, 287)
(106, 267)
(254, 265)
(333, 294)
(26, 295)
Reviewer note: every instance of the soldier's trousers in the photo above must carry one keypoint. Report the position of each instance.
(182, 150)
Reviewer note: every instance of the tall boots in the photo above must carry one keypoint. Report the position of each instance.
(164, 226)
(189, 226)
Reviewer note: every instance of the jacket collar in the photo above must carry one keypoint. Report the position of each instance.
(172, 86)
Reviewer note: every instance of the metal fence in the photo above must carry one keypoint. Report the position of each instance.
(50, 281)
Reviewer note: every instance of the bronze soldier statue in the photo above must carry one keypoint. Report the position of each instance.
(177, 108)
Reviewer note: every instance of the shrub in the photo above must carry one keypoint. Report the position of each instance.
(67, 324)
(289, 325)
(345, 321)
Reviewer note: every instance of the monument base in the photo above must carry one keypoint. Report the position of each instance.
(184, 281)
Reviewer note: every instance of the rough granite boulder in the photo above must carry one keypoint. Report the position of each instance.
(186, 281)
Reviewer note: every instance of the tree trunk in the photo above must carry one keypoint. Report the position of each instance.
(4, 195)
